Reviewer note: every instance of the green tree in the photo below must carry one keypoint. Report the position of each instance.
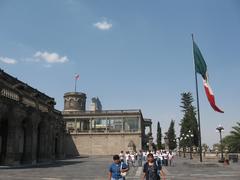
(189, 121)
(232, 141)
(159, 136)
(172, 136)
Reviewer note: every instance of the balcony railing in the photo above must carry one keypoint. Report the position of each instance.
(105, 112)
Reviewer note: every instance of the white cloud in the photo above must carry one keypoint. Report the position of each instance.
(103, 25)
(50, 57)
(7, 60)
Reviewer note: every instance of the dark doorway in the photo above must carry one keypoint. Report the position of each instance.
(40, 141)
(3, 139)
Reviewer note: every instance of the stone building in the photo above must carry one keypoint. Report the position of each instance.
(31, 130)
(102, 132)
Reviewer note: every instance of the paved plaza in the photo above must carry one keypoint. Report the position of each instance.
(96, 168)
(85, 168)
(185, 169)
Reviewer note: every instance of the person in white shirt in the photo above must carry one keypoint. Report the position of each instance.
(170, 157)
(165, 158)
(132, 156)
(127, 155)
(121, 155)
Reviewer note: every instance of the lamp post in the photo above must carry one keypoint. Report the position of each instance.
(166, 140)
(190, 136)
(150, 143)
(220, 129)
(182, 138)
(179, 153)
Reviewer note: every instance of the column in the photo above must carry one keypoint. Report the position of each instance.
(13, 156)
(122, 125)
(106, 129)
(94, 123)
(139, 124)
(0, 144)
(11, 146)
(81, 125)
(90, 124)
(52, 140)
(75, 125)
(34, 144)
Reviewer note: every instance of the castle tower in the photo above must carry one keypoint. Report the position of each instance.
(75, 101)
(96, 104)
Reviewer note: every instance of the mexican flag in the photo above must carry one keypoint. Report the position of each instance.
(201, 68)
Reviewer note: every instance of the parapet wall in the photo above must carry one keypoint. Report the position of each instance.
(102, 144)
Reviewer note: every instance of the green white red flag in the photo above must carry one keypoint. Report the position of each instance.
(201, 68)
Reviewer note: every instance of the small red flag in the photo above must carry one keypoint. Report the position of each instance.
(77, 77)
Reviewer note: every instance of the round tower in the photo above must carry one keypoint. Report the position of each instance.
(75, 101)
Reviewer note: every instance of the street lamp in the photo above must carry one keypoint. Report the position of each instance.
(190, 135)
(166, 140)
(178, 138)
(185, 137)
(184, 148)
(220, 129)
(150, 143)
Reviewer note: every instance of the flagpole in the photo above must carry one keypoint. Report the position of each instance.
(198, 112)
(75, 87)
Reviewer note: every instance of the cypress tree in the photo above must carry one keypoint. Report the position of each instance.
(172, 136)
(159, 136)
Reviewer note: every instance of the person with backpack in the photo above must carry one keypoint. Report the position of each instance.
(140, 157)
(118, 169)
(152, 169)
(121, 155)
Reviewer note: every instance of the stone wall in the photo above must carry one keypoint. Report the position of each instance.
(101, 144)
(31, 130)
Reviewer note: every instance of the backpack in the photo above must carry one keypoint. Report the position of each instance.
(158, 167)
(123, 174)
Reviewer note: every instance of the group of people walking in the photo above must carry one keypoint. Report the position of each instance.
(152, 167)
(164, 157)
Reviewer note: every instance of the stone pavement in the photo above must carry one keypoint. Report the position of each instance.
(186, 169)
(85, 168)
(96, 168)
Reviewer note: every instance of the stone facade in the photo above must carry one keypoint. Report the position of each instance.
(104, 144)
(31, 130)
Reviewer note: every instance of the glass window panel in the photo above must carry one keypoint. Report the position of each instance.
(115, 124)
(83, 125)
(131, 124)
(99, 124)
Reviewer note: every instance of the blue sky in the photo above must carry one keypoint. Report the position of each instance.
(131, 54)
